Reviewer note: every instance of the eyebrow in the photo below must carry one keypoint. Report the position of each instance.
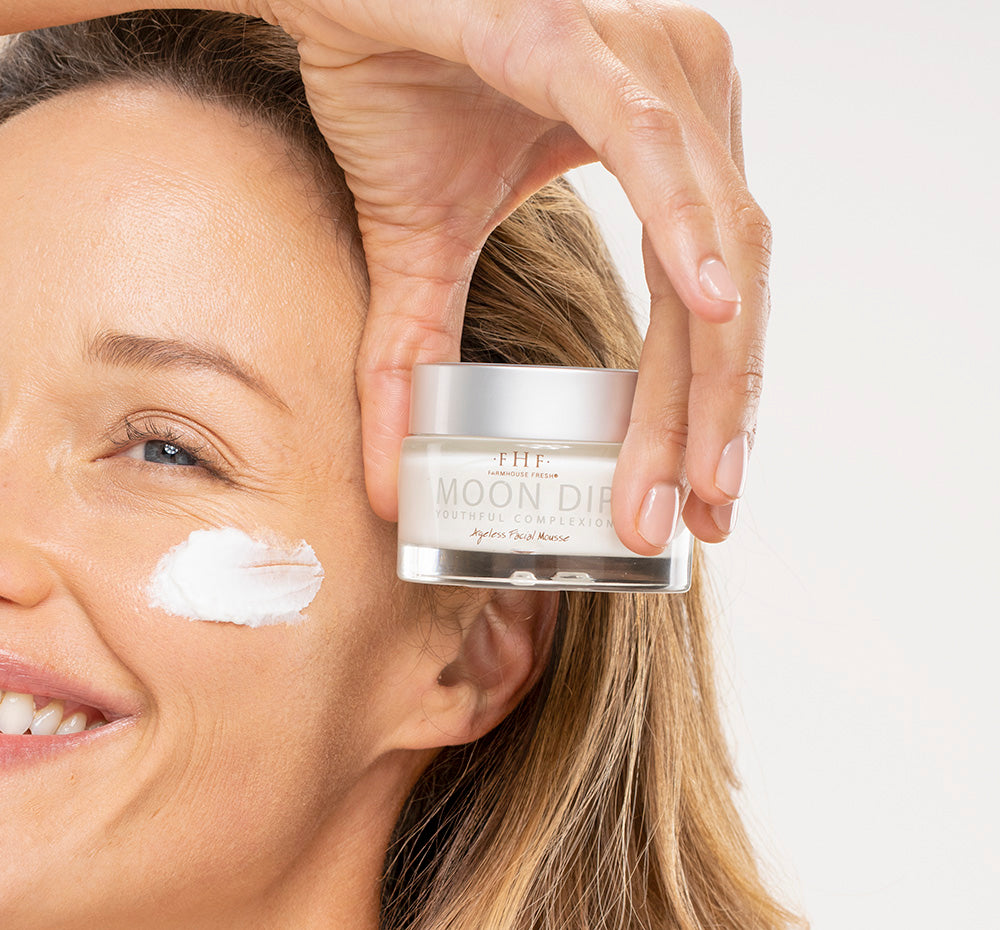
(130, 350)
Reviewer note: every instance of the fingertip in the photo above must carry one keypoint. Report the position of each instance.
(656, 520)
(707, 290)
(638, 505)
(381, 482)
(718, 469)
(724, 516)
(731, 472)
(721, 301)
(717, 311)
(385, 405)
(699, 519)
(630, 534)
(646, 498)
(716, 281)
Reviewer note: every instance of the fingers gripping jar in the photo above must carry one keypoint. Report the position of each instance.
(505, 481)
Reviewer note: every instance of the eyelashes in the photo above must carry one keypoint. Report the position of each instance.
(179, 450)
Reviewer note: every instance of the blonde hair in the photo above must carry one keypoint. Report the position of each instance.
(605, 800)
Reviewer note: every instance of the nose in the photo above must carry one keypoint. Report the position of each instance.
(25, 579)
(25, 576)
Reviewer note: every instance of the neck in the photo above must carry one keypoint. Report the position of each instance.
(335, 883)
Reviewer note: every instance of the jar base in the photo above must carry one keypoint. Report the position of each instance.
(472, 568)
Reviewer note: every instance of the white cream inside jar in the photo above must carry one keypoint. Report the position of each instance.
(505, 481)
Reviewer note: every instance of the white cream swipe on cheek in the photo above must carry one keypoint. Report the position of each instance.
(226, 576)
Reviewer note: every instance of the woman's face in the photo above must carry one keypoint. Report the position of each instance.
(179, 328)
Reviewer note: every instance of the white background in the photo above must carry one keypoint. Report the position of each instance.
(858, 639)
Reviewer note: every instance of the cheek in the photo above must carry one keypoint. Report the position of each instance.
(239, 719)
(247, 634)
(260, 620)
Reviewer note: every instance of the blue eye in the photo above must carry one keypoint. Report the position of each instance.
(162, 452)
(161, 443)
(166, 453)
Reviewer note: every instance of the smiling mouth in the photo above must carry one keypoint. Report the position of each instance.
(29, 714)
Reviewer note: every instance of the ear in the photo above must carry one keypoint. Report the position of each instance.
(482, 658)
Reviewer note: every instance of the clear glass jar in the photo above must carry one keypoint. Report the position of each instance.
(508, 511)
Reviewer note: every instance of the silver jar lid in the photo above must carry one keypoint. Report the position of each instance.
(539, 402)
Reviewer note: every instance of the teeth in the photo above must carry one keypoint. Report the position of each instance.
(46, 721)
(18, 716)
(74, 723)
(16, 711)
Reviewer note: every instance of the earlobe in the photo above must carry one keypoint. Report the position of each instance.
(504, 645)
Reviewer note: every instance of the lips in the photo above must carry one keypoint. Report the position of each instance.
(36, 700)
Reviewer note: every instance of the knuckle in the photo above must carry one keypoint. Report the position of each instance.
(748, 223)
(394, 354)
(760, 287)
(713, 39)
(684, 202)
(745, 217)
(683, 205)
(742, 376)
(666, 425)
(702, 44)
(747, 380)
(647, 119)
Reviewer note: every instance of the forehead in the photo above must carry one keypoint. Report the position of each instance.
(136, 208)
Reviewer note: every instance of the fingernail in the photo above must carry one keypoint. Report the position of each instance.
(716, 282)
(658, 514)
(724, 516)
(731, 475)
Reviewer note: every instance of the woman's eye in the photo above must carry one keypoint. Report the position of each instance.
(162, 452)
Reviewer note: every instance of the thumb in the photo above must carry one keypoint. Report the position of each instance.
(414, 315)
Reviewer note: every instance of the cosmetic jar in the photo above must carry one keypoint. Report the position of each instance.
(505, 481)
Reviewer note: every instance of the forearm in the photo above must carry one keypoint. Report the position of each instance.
(22, 15)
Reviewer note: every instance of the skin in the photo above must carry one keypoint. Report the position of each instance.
(649, 88)
(259, 778)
